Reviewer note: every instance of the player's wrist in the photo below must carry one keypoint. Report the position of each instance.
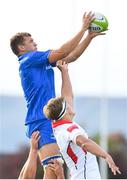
(63, 70)
(106, 156)
(83, 29)
(89, 36)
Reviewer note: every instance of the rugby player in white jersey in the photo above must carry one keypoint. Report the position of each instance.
(77, 149)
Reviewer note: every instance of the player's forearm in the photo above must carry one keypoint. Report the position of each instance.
(90, 146)
(94, 148)
(33, 154)
(69, 46)
(22, 171)
(78, 51)
(66, 90)
(72, 44)
(66, 48)
(31, 166)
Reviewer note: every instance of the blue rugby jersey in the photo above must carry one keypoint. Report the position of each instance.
(37, 79)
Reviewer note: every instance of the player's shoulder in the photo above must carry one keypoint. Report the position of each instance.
(31, 54)
(71, 127)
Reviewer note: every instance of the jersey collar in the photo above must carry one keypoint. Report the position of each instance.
(60, 122)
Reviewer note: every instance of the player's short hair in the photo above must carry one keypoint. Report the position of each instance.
(18, 39)
(55, 108)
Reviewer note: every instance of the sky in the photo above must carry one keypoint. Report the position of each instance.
(101, 70)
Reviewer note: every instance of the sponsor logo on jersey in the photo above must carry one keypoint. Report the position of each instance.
(71, 128)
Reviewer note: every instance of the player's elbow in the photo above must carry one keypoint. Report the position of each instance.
(63, 52)
(57, 55)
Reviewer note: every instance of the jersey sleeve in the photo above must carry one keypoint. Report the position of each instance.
(38, 58)
(74, 131)
(52, 64)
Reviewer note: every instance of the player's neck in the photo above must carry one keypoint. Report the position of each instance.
(66, 117)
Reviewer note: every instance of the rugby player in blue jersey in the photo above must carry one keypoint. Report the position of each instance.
(37, 79)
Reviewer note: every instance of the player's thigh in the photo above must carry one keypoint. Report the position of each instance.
(47, 143)
(48, 150)
(45, 129)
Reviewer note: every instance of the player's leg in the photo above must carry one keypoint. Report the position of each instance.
(47, 153)
(48, 149)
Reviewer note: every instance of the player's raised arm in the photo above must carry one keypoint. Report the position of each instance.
(77, 52)
(29, 169)
(70, 45)
(66, 88)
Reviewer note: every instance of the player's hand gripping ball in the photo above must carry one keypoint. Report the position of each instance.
(99, 24)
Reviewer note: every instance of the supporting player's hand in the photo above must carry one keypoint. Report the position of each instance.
(34, 140)
(87, 19)
(112, 165)
(94, 34)
(56, 166)
(62, 65)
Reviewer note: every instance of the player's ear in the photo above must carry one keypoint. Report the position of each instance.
(21, 48)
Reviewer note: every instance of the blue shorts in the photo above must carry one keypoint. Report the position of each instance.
(44, 126)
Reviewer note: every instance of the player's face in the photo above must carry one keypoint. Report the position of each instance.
(29, 44)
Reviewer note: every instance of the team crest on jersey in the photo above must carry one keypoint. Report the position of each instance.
(52, 136)
(48, 67)
(71, 128)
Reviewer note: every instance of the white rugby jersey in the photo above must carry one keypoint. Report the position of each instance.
(82, 164)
